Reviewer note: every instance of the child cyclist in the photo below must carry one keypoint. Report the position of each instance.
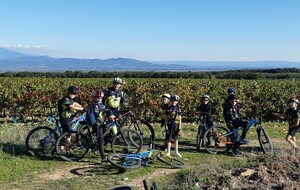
(95, 118)
(205, 110)
(164, 107)
(67, 108)
(173, 126)
(293, 116)
(163, 114)
(231, 113)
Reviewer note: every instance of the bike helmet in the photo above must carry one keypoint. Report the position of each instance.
(73, 90)
(98, 93)
(166, 96)
(175, 98)
(293, 100)
(205, 96)
(231, 89)
(117, 80)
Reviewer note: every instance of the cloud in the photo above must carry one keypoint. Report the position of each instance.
(20, 46)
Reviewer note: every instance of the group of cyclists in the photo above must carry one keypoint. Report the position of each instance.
(231, 113)
(106, 104)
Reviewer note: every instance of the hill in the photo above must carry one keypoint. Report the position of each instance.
(14, 61)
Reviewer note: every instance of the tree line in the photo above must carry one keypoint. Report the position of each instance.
(280, 73)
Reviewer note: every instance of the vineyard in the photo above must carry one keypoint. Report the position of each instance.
(29, 98)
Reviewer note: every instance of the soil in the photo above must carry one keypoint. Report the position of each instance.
(271, 173)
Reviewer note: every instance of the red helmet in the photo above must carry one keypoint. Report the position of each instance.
(98, 93)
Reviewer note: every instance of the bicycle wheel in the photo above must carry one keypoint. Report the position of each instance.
(40, 141)
(264, 140)
(144, 128)
(123, 161)
(216, 139)
(127, 141)
(199, 139)
(72, 146)
(169, 160)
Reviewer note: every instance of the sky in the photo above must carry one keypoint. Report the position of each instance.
(157, 30)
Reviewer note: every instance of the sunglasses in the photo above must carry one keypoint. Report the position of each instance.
(206, 100)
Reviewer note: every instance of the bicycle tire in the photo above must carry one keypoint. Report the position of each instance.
(199, 139)
(127, 141)
(264, 141)
(72, 146)
(38, 144)
(214, 140)
(119, 160)
(169, 160)
(144, 128)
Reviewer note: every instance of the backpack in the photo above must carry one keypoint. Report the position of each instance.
(90, 116)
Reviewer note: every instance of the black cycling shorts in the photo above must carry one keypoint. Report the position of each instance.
(293, 131)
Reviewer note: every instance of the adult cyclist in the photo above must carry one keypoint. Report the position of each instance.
(113, 99)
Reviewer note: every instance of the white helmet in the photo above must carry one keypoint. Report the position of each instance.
(117, 80)
(205, 96)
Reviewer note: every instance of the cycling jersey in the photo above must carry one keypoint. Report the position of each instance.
(291, 115)
(207, 109)
(113, 98)
(64, 110)
(173, 113)
(231, 112)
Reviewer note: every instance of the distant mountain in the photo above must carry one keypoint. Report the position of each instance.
(16, 62)
(9, 54)
(234, 65)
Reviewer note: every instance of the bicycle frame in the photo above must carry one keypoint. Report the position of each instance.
(251, 123)
(51, 118)
(75, 122)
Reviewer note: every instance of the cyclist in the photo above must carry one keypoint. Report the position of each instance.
(96, 109)
(293, 116)
(67, 108)
(164, 107)
(163, 115)
(113, 99)
(231, 113)
(205, 110)
(173, 127)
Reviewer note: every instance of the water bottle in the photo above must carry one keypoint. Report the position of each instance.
(114, 129)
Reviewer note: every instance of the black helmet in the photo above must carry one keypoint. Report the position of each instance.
(232, 97)
(73, 90)
(175, 98)
(231, 89)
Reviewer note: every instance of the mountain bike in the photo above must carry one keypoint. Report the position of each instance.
(221, 139)
(40, 141)
(132, 161)
(74, 145)
(130, 121)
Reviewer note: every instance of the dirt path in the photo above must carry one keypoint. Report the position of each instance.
(138, 182)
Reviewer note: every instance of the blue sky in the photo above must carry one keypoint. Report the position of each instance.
(159, 30)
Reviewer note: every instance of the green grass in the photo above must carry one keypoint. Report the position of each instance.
(18, 170)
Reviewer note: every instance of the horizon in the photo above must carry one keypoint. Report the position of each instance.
(208, 30)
